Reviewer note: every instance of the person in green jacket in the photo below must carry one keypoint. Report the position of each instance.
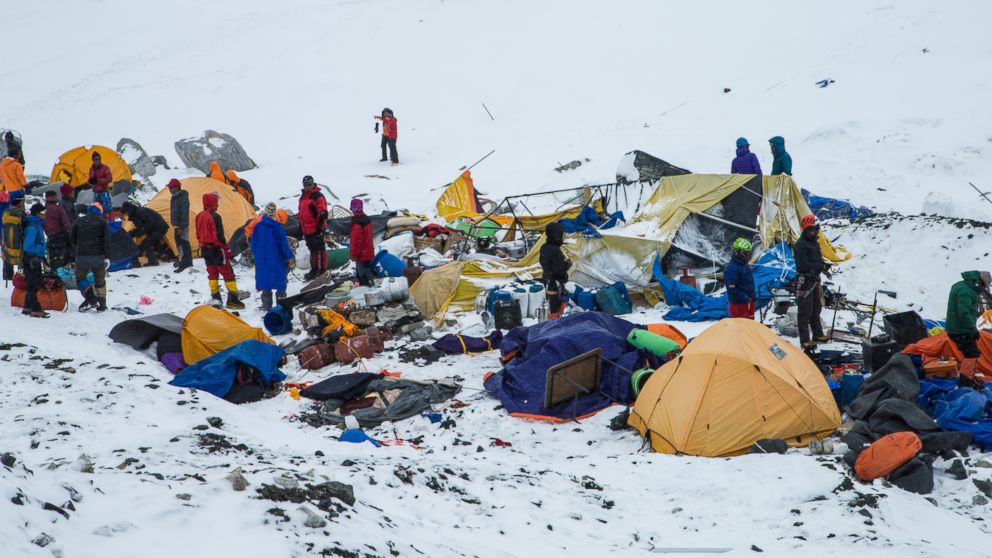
(962, 312)
(781, 161)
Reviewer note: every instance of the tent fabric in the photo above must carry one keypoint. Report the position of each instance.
(73, 166)
(734, 384)
(234, 209)
(832, 208)
(394, 399)
(959, 408)
(343, 387)
(216, 373)
(637, 165)
(520, 385)
(123, 251)
(670, 332)
(459, 199)
(455, 344)
(342, 226)
(140, 333)
(941, 346)
(208, 330)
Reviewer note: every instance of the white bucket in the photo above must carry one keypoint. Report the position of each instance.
(520, 294)
(375, 297)
(358, 295)
(535, 294)
(395, 289)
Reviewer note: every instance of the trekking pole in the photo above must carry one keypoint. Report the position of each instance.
(981, 193)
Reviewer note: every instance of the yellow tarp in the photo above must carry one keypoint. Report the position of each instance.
(73, 167)
(208, 330)
(459, 199)
(736, 383)
(234, 210)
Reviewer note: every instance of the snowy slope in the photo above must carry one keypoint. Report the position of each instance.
(297, 82)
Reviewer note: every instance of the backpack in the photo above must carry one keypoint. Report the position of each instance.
(13, 236)
(887, 454)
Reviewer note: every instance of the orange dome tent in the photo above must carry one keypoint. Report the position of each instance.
(208, 330)
(73, 167)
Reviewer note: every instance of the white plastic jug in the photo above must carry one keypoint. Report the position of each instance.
(521, 295)
(536, 297)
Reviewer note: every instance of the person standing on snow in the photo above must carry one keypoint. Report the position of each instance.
(13, 233)
(91, 237)
(962, 313)
(34, 254)
(58, 227)
(216, 254)
(100, 180)
(273, 256)
(313, 222)
(361, 250)
(740, 281)
(12, 172)
(745, 162)
(809, 293)
(179, 218)
(781, 161)
(554, 269)
(388, 135)
(150, 225)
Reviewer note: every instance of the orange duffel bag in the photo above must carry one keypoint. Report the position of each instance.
(887, 454)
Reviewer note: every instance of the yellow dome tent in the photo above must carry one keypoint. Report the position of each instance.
(733, 385)
(233, 208)
(208, 330)
(73, 167)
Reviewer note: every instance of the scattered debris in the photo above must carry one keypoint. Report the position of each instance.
(238, 481)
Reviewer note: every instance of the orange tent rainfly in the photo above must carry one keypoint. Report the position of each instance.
(733, 385)
(208, 330)
(73, 167)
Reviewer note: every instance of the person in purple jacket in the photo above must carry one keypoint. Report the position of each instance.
(745, 162)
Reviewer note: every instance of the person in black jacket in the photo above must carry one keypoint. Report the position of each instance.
(91, 237)
(809, 293)
(179, 217)
(148, 224)
(554, 269)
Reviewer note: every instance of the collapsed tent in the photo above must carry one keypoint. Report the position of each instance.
(164, 330)
(940, 346)
(234, 209)
(831, 208)
(523, 385)
(373, 399)
(218, 373)
(208, 330)
(734, 384)
(341, 226)
(73, 166)
(638, 166)
(459, 199)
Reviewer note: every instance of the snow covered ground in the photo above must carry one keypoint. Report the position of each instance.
(903, 128)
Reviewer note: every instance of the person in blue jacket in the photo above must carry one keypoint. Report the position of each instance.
(740, 282)
(34, 252)
(273, 256)
(782, 161)
(745, 162)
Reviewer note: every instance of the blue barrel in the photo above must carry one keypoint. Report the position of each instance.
(586, 300)
(278, 321)
(387, 265)
(494, 296)
(849, 385)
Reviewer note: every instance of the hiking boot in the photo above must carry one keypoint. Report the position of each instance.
(216, 300)
(182, 267)
(233, 302)
(310, 275)
(808, 344)
(38, 314)
(394, 163)
(101, 304)
(26, 312)
(821, 339)
(383, 160)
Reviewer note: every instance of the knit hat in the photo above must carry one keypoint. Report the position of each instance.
(742, 142)
(95, 209)
(307, 180)
(96, 155)
(174, 184)
(37, 208)
(50, 194)
(66, 190)
(357, 205)
(16, 196)
(270, 209)
(808, 221)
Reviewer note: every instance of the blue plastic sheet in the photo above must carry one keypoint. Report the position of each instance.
(958, 408)
(215, 374)
(831, 208)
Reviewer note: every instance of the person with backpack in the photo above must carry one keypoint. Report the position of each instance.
(100, 180)
(216, 254)
(58, 227)
(361, 251)
(12, 172)
(216, 173)
(809, 293)
(313, 221)
(179, 218)
(388, 136)
(68, 201)
(745, 162)
(91, 237)
(740, 281)
(273, 256)
(554, 269)
(34, 252)
(781, 160)
(962, 312)
(13, 234)
(150, 225)
(241, 186)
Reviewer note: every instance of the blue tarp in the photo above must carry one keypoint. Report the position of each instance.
(520, 386)
(773, 268)
(958, 408)
(830, 208)
(589, 224)
(215, 374)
